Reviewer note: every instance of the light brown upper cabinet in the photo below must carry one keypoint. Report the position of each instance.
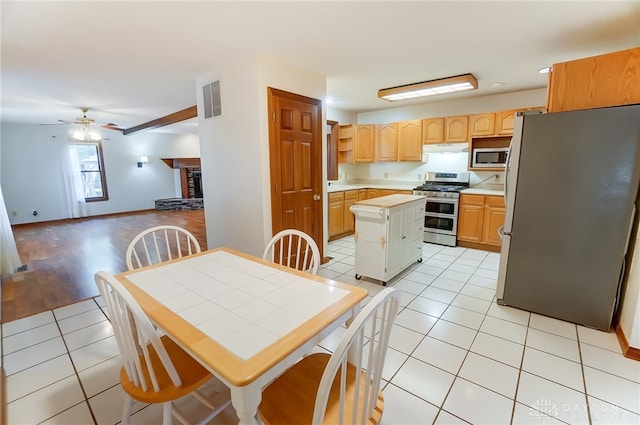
(387, 142)
(410, 140)
(456, 129)
(356, 143)
(504, 122)
(364, 143)
(432, 130)
(607, 80)
(345, 143)
(482, 124)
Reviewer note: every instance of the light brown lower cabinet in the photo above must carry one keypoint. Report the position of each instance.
(350, 198)
(479, 218)
(342, 221)
(336, 214)
(494, 212)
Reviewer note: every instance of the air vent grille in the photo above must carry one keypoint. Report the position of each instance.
(212, 103)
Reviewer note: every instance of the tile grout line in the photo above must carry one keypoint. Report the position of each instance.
(77, 375)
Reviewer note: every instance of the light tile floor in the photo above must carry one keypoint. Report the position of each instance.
(455, 356)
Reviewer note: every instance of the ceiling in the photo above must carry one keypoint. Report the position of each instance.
(132, 62)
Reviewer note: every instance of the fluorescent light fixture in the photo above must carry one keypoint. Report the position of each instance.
(430, 88)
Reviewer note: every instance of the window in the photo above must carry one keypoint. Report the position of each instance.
(91, 165)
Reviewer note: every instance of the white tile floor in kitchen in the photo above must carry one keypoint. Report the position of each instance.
(455, 356)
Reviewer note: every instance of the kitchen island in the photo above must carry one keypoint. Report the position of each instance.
(389, 233)
(342, 196)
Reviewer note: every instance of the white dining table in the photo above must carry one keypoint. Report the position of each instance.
(245, 319)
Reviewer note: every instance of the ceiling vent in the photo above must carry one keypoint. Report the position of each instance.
(212, 103)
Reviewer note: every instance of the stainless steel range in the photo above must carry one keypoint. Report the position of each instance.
(441, 212)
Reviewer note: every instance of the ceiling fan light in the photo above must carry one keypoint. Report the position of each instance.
(430, 88)
(86, 135)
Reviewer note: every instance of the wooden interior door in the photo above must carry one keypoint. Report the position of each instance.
(295, 159)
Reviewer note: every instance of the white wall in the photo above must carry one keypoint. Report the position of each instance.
(474, 105)
(413, 172)
(31, 176)
(235, 148)
(343, 117)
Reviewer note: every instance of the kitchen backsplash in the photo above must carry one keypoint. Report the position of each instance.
(413, 172)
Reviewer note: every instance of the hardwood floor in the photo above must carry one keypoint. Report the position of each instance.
(63, 256)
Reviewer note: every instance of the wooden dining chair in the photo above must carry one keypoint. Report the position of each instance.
(155, 369)
(295, 249)
(159, 244)
(333, 389)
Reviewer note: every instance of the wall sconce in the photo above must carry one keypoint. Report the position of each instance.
(429, 88)
(143, 160)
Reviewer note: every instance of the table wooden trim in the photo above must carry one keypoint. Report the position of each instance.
(231, 368)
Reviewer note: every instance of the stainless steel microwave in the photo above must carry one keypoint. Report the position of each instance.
(489, 157)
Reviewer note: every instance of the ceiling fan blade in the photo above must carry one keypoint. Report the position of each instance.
(111, 126)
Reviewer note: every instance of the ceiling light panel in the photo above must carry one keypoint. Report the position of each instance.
(454, 84)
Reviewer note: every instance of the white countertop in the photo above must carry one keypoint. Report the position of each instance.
(483, 191)
(390, 200)
(337, 187)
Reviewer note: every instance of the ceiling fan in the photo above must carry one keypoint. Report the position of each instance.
(85, 122)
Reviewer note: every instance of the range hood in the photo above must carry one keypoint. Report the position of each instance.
(445, 147)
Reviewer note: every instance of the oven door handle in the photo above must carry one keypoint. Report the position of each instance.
(443, 200)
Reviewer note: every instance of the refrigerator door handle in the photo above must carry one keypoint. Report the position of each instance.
(502, 233)
(506, 174)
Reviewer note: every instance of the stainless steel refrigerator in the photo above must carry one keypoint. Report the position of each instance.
(571, 185)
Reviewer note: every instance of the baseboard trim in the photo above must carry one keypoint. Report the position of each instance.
(627, 351)
(3, 397)
(474, 245)
(75, 220)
